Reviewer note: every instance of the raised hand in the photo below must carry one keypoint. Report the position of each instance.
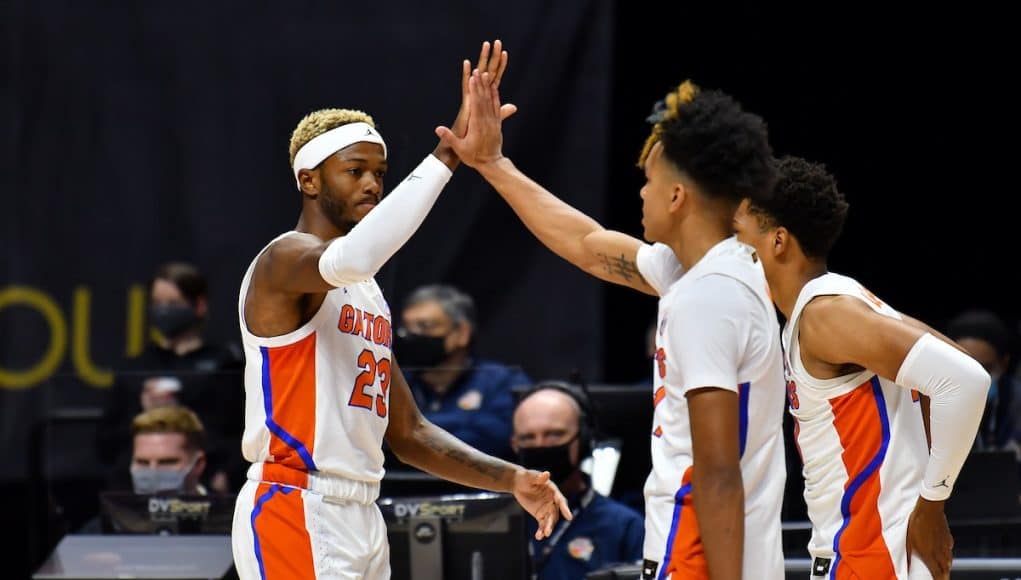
(929, 537)
(483, 141)
(492, 60)
(541, 498)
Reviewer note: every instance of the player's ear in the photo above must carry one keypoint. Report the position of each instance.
(780, 241)
(679, 194)
(309, 179)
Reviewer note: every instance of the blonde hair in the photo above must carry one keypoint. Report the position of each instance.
(171, 419)
(318, 122)
(683, 94)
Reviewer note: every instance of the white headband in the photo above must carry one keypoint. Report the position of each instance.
(322, 146)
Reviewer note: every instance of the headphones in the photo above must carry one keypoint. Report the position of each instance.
(587, 426)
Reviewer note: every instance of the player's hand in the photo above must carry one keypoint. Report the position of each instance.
(483, 142)
(541, 498)
(929, 537)
(493, 61)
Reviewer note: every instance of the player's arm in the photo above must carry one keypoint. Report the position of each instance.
(924, 401)
(419, 443)
(842, 329)
(926, 328)
(569, 233)
(304, 264)
(716, 483)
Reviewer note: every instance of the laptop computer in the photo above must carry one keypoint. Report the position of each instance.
(140, 556)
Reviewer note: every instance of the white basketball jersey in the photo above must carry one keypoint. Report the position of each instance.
(863, 444)
(717, 327)
(317, 398)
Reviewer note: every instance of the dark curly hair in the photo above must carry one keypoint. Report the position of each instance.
(708, 136)
(806, 202)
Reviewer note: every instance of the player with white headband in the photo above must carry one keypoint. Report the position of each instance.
(322, 387)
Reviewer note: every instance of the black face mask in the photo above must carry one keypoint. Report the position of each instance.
(417, 351)
(172, 319)
(556, 459)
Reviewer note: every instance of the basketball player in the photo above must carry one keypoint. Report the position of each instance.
(322, 387)
(717, 442)
(854, 368)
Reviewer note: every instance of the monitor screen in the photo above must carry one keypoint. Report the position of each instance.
(130, 513)
(456, 537)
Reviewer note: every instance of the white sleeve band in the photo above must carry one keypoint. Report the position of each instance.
(357, 256)
(956, 385)
(659, 266)
(644, 263)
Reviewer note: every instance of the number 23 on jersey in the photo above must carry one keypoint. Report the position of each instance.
(371, 368)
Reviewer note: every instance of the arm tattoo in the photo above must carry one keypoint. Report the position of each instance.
(620, 266)
(445, 444)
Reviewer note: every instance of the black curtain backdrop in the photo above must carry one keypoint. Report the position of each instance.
(143, 133)
(137, 133)
(912, 108)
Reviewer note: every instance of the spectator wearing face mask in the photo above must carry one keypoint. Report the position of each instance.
(168, 451)
(554, 431)
(167, 455)
(469, 397)
(987, 338)
(179, 367)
